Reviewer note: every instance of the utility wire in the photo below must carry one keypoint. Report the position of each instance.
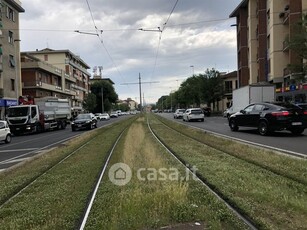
(160, 38)
(164, 26)
(101, 41)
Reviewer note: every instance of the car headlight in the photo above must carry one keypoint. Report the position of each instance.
(72, 123)
(88, 122)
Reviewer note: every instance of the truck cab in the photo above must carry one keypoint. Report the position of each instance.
(24, 119)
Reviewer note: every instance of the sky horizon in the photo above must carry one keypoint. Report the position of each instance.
(164, 42)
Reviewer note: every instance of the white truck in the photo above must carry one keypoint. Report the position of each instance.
(42, 114)
(251, 94)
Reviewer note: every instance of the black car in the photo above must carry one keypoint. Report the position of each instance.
(84, 121)
(270, 117)
(207, 111)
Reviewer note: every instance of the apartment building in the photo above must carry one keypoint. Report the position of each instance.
(40, 79)
(10, 87)
(263, 27)
(76, 76)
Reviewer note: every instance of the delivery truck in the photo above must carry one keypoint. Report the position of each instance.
(253, 93)
(38, 115)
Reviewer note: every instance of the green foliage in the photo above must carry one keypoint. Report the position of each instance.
(203, 88)
(298, 43)
(89, 103)
(122, 107)
(109, 95)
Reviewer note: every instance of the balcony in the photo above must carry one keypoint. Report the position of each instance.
(69, 78)
(45, 86)
(78, 87)
(285, 46)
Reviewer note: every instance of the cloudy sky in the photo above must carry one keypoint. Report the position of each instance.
(196, 35)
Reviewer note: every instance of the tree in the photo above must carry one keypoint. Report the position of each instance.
(298, 43)
(109, 95)
(213, 90)
(89, 103)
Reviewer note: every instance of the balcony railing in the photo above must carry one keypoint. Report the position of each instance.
(285, 45)
(46, 86)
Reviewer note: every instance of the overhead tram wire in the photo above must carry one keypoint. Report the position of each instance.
(160, 36)
(101, 41)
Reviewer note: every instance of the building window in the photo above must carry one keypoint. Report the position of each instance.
(10, 14)
(11, 39)
(46, 57)
(268, 42)
(268, 16)
(12, 61)
(228, 86)
(12, 84)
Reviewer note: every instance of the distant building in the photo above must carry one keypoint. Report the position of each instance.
(76, 77)
(99, 78)
(230, 83)
(133, 105)
(10, 87)
(263, 26)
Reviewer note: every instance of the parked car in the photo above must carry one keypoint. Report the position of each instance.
(193, 114)
(98, 116)
(105, 116)
(114, 114)
(207, 111)
(228, 112)
(178, 113)
(84, 121)
(270, 117)
(5, 132)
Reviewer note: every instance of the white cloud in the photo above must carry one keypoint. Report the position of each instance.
(193, 36)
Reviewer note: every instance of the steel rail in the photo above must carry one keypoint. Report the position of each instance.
(238, 157)
(238, 213)
(96, 187)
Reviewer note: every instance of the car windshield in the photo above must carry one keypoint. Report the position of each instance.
(181, 111)
(83, 116)
(196, 111)
(18, 112)
(105, 114)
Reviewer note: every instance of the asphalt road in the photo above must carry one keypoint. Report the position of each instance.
(24, 146)
(280, 140)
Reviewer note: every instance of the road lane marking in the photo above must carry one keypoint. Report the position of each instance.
(17, 150)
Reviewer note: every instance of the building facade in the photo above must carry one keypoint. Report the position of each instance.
(76, 76)
(230, 83)
(10, 84)
(263, 27)
(40, 79)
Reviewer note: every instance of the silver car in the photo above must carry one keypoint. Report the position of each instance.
(193, 114)
(179, 113)
(5, 133)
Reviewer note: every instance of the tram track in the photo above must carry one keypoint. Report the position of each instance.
(51, 166)
(238, 212)
(250, 161)
(179, 140)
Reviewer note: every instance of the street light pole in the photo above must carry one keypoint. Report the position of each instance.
(171, 103)
(192, 66)
(102, 105)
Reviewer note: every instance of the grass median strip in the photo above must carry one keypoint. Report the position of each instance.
(158, 194)
(274, 201)
(288, 166)
(57, 199)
